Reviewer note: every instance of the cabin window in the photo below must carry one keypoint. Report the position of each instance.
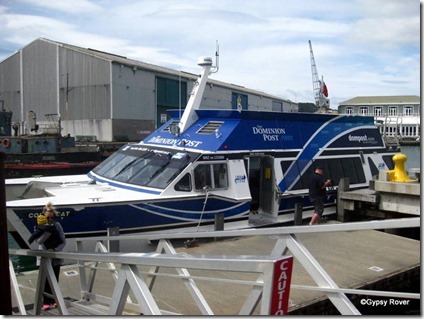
(107, 167)
(388, 159)
(184, 184)
(215, 176)
(142, 166)
(293, 176)
(352, 168)
(373, 168)
(349, 110)
(333, 168)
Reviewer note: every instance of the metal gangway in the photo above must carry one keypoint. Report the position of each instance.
(266, 279)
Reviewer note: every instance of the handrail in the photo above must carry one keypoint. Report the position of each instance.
(303, 229)
(247, 263)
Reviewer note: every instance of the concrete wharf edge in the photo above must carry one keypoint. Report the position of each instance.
(354, 259)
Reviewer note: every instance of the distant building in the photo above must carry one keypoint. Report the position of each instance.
(399, 116)
(106, 96)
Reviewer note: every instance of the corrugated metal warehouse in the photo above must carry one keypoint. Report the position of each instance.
(106, 96)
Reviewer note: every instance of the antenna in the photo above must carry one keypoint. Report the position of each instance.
(216, 67)
(179, 93)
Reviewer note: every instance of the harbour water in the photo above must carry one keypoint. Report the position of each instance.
(21, 263)
(414, 155)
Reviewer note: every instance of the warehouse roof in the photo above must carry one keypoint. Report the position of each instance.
(147, 66)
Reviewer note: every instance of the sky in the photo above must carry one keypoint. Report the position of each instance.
(361, 47)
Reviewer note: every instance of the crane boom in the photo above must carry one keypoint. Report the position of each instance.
(319, 87)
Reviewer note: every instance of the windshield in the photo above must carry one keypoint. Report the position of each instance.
(143, 166)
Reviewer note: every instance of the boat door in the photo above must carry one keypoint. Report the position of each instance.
(260, 170)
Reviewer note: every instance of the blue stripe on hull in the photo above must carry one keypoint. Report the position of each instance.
(140, 216)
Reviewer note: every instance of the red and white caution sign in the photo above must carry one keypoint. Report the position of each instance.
(281, 286)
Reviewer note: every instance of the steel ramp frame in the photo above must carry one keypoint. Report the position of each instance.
(88, 284)
(16, 290)
(129, 276)
(45, 272)
(165, 246)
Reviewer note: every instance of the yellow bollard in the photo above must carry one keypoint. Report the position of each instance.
(398, 174)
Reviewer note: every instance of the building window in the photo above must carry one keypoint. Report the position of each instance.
(393, 111)
(363, 110)
(378, 110)
(349, 110)
(407, 110)
(409, 131)
(391, 130)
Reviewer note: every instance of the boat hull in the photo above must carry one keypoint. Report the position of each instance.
(50, 164)
(135, 217)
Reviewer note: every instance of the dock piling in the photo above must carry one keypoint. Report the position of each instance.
(219, 222)
(113, 245)
(343, 187)
(298, 211)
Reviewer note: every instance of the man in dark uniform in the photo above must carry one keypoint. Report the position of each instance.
(317, 191)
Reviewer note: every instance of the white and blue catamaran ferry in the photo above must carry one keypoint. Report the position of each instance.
(242, 164)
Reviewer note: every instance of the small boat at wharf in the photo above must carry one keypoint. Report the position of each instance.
(234, 163)
(40, 149)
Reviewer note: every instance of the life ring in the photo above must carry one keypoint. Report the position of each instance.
(5, 142)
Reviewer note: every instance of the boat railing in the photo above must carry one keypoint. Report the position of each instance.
(166, 256)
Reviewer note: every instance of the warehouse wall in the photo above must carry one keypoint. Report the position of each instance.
(133, 93)
(89, 89)
(10, 87)
(99, 130)
(215, 97)
(39, 76)
(131, 130)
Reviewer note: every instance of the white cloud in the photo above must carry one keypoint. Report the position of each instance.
(22, 29)
(387, 33)
(74, 6)
(359, 45)
(389, 8)
(387, 26)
